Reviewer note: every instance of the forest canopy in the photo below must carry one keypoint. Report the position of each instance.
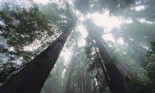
(77, 46)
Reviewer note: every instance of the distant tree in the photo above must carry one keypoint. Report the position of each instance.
(77, 79)
(55, 82)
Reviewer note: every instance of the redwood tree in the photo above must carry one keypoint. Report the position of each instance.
(116, 83)
(32, 77)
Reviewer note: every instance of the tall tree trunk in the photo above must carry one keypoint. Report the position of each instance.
(32, 77)
(116, 78)
(88, 85)
(102, 65)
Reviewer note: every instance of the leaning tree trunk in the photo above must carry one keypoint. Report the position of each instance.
(32, 77)
(116, 79)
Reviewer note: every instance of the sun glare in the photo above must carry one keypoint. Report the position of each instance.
(108, 37)
(105, 20)
(145, 21)
(66, 53)
(139, 8)
(35, 45)
(82, 30)
(120, 41)
(42, 1)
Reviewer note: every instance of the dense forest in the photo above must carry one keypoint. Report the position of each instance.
(77, 46)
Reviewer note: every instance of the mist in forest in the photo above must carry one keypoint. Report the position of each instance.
(77, 46)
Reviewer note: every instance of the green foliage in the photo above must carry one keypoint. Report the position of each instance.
(94, 63)
(151, 65)
(20, 28)
(125, 8)
(135, 86)
(25, 31)
(126, 63)
(151, 51)
(62, 18)
(89, 6)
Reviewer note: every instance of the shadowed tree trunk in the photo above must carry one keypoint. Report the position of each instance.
(88, 84)
(116, 79)
(32, 77)
(102, 65)
(87, 81)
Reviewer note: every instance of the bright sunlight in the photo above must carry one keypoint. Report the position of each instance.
(105, 20)
(42, 1)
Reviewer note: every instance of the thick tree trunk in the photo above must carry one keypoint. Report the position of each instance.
(116, 79)
(102, 65)
(32, 77)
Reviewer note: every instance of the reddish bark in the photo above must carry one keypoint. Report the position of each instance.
(32, 77)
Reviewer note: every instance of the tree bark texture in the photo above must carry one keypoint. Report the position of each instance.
(116, 79)
(32, 77)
